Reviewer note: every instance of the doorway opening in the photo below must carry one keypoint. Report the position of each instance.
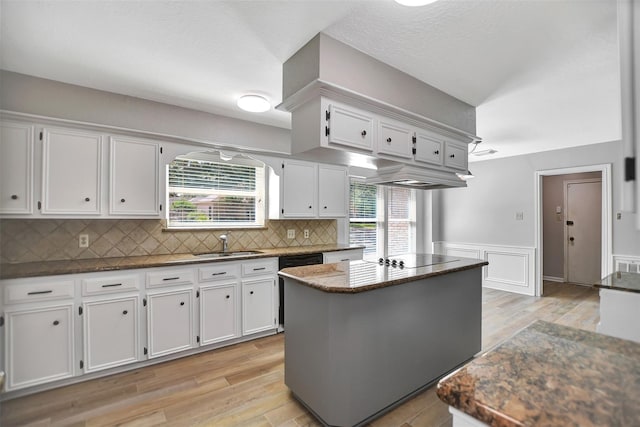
(573, 225)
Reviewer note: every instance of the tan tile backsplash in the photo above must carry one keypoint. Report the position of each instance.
(57, 239)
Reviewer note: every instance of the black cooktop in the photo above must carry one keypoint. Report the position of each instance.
(413, 260)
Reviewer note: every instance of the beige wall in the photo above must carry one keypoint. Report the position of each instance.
(57, 239)
(553, 224)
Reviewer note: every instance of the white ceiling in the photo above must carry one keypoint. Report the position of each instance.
(543, 74)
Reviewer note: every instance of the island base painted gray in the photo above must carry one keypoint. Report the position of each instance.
(351, 356)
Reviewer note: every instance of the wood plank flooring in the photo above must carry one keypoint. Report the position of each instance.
(243, 385)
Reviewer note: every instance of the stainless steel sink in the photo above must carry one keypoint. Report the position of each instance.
(227, 254)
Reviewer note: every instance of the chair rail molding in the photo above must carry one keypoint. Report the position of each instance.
(511, 268)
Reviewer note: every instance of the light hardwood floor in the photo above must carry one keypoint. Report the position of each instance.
(243, 385)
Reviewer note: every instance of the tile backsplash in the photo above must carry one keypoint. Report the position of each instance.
(57, 239)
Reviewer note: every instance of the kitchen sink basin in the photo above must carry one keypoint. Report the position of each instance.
(227, 254)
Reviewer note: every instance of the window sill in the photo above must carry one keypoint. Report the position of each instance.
(230, 228)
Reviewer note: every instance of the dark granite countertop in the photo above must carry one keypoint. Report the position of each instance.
(619, 281)
(51, 268)
(550, 375)
(361, 276)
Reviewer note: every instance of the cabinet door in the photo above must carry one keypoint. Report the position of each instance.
(395, 139)
(299, 186)
(455, 155)
(429, 148)
(71, 172)
(332, 188)
(258, 304)
(350, 126)
(170, 322)
(218, 313)
(111, 335)
(135, 180)
(39, 346)
(16, 168)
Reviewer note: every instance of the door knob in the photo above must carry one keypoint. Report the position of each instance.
(571, 239)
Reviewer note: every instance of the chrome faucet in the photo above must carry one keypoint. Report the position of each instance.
(225, 244)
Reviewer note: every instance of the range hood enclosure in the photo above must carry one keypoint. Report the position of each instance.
(408, 176)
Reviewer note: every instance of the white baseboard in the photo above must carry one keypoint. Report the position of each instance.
(553, 279)
(511, 268)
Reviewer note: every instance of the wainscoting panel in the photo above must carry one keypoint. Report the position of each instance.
(511, 268)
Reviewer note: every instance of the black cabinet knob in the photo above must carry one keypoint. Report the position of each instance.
(181, 302)
(363, 133)
(309, 206)
(14, 197)
(436, 152)
(56, 323)
(122, 200)
(228, 297)
(452, 156)
(388, 139)
(325, 207)
(571, 239)
(86, 199)
(251, 292)
(125, 312)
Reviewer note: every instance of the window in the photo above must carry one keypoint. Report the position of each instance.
(210, 193)
(383, 219)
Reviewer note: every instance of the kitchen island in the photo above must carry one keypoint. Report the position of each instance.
(363, 336)
(620, 305)
(548, 375)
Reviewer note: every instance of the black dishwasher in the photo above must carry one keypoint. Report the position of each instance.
(294, 261)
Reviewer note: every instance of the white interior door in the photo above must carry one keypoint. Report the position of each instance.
(583, 231)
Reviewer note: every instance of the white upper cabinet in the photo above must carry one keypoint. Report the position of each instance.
(332, 184)
(395, 138)
(135, 179)
(299, 189)
(16, 168)
(429, 148)
(455, 155)
(72, 162)
(349, 126)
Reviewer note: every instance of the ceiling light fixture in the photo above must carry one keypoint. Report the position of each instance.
(415, 2)
(254, 103)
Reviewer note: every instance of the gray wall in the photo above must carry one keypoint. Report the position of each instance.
(485, 211)
(27, 94)
(553, 224)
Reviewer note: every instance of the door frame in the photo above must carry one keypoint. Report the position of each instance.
(566, 184)
(607, 211)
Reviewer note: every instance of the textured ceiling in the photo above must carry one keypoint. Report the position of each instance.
(543, 73)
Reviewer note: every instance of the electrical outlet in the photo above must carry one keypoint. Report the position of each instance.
(291, 234)
(306, 234)
(83, 241)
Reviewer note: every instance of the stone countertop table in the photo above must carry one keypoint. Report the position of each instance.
(550, 375)
(621, 281)
(361, 276)
(52, 268)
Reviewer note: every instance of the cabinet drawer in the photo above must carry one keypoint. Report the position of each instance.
(32, 292)
(169, 277)
(109, 284)
(339, 256)
(260, 267)
(219, 272)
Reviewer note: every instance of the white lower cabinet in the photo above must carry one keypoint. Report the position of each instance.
(258, 305)
(170, 322)
(111, 333)
(39, 345)
(219, 313)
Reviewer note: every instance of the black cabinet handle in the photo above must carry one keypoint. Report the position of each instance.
(363, 133)
(86, 199)
(436, 152)
(181, 302)
(112, 285)
(388, 139)
(170, 278)
(14, 197)
(125, 312)
(56, 323)
(219, 274)
(228, 297)
(39, 292)
(452, 156)
(259, 268)
(122, 200)
(251, 293)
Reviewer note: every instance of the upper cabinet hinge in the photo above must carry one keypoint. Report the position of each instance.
(197, 294)
(282, 210)
(81, 364)
(41, 135)
(413, 150)
(144, 302)
(326, 131)
(1, 320)
(39, 205)
(283, 166)
(629, 168)
(413, 139)
(160, 150)
(327, 115)
(197, 338)
(145, 350)
(80, 311)
(160, 206)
